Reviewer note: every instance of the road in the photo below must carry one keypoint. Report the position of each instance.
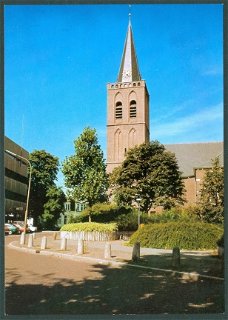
(37, 284)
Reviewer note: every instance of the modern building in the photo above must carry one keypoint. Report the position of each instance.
(127, 107)
(16, 181)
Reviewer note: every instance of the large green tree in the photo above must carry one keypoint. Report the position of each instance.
(44, 174)
(53, 206)
(149, 176)
(212, 194)
(85, 171)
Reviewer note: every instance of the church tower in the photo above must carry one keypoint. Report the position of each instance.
(127, 107)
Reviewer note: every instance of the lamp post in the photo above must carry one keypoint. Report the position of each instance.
(138, 201)
(29, 184)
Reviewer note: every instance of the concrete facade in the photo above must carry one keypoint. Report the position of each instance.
(16, 181)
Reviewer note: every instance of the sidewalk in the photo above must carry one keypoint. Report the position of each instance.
(197, 263)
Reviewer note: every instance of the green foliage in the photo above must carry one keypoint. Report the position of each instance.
(211, 207)
(150, 173)
(73, 217)
(90, 226)
(85, 171)
(175, 214)
(53, 207)
(105, 212)
(220, 242)
(127, 222)
(185, 235)
(44, 174)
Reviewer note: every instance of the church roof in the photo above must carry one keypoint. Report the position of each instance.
(129, 70)
(192, 156)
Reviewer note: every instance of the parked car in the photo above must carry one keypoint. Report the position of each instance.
(10, 228)
(21, 226)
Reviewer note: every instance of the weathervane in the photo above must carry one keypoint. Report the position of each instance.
(129, 14)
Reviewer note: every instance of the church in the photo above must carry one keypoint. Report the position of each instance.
(128, 125)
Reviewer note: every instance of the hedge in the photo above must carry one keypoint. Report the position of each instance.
(89, 227)
(185, 235)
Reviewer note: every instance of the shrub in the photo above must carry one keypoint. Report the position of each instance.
(175, 214)
(89, 227)
(220, 242)
(73, 217)
(127, 222)
(104, 212)
(185, 235)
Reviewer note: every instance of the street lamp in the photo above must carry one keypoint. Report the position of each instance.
(138, 201)
(29, 184)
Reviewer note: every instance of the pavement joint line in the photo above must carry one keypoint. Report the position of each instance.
(102, 261)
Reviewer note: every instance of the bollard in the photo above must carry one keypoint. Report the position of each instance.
(81, 246)
(22, 238)
(136, 252)
(176, 257)
(34, 235)
(107, 250)
(30, 241)
(63, 244)
(54, 235)
(43, 243)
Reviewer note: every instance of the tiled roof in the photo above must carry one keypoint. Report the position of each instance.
(196, 155)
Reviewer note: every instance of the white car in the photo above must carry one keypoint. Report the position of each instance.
(32, 228)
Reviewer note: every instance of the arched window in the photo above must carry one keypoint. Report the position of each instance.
(133, 109)
(118, 110)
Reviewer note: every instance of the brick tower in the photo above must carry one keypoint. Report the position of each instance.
(128, 107)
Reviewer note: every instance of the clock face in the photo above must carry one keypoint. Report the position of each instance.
(127, 73)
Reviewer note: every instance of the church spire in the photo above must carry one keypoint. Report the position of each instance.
(129, 70)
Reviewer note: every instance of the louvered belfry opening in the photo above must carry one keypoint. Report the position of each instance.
(119, 111)
(133, 109)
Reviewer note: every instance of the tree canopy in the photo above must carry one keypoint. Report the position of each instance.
(85, 171)
(44, 174)
(212, 194)
(148, 176)
(53, 206)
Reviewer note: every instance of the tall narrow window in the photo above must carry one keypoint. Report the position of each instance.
(119, 110)
(133, 109)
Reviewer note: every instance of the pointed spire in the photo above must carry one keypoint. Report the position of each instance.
(129, 70)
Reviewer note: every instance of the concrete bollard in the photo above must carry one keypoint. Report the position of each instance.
(81, 249)
(63, 244)
(54, 235)
(176, 257)
(43, 243)
(30, 241)
(136, 252)
(34, 235)
(22, 238)
(107, 250)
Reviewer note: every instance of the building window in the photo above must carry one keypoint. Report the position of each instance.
(119, 110)
(133, 109)
(67, 206)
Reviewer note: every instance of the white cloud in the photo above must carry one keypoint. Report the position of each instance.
(189, 123)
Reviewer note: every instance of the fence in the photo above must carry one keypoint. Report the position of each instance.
(88, 236)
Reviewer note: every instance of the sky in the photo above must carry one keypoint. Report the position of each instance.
(59, 59)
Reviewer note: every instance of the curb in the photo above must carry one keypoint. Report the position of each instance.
(186, 275)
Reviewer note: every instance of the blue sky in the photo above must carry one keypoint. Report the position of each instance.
(59, 59)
